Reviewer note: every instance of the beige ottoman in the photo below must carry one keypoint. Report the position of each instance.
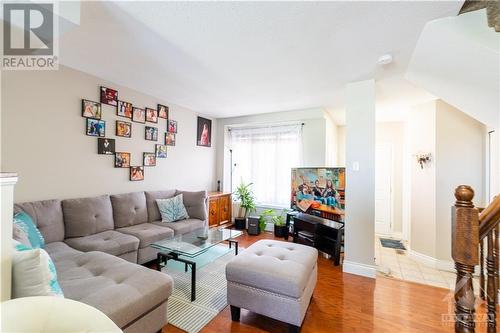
(273, 278)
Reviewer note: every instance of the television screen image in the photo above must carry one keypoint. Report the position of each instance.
(319, 189)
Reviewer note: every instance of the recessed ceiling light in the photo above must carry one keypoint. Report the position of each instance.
(385, 59)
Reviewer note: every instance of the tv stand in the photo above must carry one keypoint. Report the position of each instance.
(323, 234)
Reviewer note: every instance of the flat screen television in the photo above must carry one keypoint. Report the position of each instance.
(319, 191)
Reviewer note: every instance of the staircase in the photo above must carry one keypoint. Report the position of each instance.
(475, 242)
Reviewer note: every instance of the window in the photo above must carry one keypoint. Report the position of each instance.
(264, 156)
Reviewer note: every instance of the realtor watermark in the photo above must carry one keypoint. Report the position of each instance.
(30, 31)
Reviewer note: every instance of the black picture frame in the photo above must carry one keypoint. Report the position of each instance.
(122, 160)
(109, 96)
(146, 156)
(98, 112)
(135, 115)
(170, 139)
(105, 146)
(95, 127)
(172, 126)
(150, 133)
(119, 129)
(134, 176)
(161, 151)
(152, 115)
(204, 132)
(123, 107)
(162, 108)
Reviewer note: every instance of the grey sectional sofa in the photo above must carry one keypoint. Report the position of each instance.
(97, 243)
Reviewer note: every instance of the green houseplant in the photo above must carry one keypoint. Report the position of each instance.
(244, 195)
(264, 217)
(278, 221)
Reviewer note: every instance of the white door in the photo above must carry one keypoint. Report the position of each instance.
(383, 189)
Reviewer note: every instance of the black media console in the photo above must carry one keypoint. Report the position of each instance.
(323, 234)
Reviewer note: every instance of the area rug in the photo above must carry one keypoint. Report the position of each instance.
(211, 290)
(392, 243)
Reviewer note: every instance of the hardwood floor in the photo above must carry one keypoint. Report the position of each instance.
(349, 303)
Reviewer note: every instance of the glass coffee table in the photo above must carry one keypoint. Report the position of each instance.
(182, 248)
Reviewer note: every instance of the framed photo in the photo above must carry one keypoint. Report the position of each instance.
(204, 133)
(172, 126)
(151, 115)
(124, 109)
(96, 127)
(136, 173)
(151, 133)
(122, 160)
(169, 139)
(109, 96)
(124, 129)
(149, 159)
(161, 151)
(139, 115)
(105, 146)
(162, 111)
(91, 109)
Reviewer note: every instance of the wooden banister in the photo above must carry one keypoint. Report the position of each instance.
(475, 241)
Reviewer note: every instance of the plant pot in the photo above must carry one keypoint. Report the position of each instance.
(240, 223)
(280, 231)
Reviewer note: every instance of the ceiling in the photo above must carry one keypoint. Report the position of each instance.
(236, 58)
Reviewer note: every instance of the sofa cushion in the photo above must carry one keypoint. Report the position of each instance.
(183, 226)
(195, 203)
(129, 209)
(87, 216)
(61, 251)
(47, 216)
(151, 196)
(123, 291)
(112, 242)
(147, 233)
(279, 267)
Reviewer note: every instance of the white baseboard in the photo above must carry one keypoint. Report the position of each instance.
(359, 269)
(426, 260)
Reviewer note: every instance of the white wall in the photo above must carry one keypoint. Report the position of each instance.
(422, 132)
(360, 183)
(460, 156)
(313, 137)
(44, 141)
(456, 142)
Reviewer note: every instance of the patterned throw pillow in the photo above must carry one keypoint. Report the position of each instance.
(172, 209)
(24, 222)
(33, 273)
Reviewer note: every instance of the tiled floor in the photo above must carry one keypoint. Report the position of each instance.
(397, 264)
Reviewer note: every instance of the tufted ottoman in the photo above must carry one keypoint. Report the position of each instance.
(273, 278)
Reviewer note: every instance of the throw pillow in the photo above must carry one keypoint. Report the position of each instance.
(33, 273)
(172, 209)
(19, 235)
(25, 223)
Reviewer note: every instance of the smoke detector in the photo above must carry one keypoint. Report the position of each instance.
(385, 59)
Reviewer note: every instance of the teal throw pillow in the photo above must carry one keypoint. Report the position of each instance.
(172, 209)
(24, 222)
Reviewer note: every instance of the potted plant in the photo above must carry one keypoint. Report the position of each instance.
(245, 197)
(279, 225)
(264, 216)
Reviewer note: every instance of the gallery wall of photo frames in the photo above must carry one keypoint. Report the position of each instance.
(92, 112)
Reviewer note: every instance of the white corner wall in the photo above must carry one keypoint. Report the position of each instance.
(360, 179)
(43, 140)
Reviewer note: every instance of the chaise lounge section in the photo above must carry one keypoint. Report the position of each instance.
(96, 242)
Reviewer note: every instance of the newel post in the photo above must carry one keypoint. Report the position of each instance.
(465, 253)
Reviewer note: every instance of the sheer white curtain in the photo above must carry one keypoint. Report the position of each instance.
(264, 156)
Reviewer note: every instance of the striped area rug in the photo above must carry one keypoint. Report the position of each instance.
(211, 291)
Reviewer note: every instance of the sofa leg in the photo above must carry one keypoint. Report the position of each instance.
(235, 313)
(293, 328)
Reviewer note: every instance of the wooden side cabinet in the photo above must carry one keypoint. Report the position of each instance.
(219, 208)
